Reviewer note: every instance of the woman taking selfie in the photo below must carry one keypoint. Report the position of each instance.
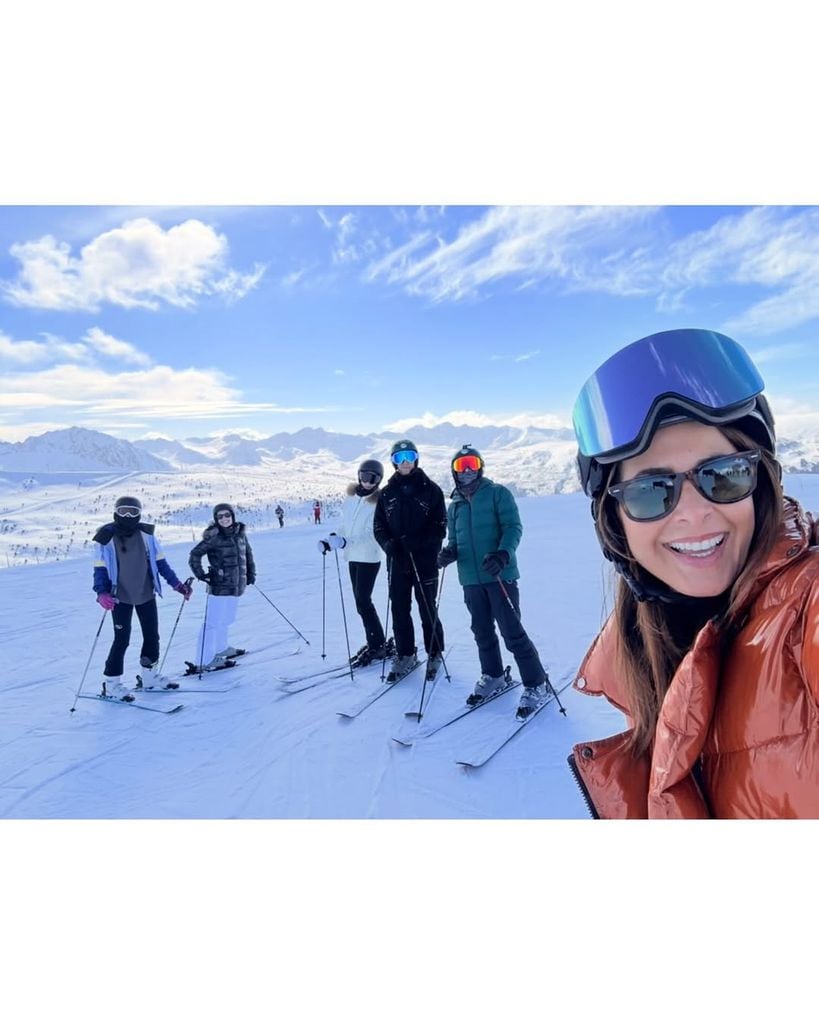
(712, 650)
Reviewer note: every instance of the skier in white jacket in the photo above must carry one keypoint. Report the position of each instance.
(363, 555)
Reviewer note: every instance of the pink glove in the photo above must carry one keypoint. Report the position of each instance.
(107, 602)
(185, 589)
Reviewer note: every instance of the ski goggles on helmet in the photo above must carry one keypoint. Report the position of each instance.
(724, 480)
(367, 477)
(702, 373)
(408, 455)
(465, 462)
(128, 511)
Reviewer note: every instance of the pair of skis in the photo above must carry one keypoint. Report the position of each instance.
(485, 749)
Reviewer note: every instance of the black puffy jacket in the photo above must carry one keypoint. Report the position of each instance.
(411, 509)
(230, 557)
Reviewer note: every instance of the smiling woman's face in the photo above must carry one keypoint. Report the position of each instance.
(699, 549)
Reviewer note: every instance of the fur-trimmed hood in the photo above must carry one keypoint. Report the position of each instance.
(372, 496)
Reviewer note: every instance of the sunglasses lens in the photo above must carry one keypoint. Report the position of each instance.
(368, 478)
(727, 480)
(649, 497)
(407, 456)
(465, 462)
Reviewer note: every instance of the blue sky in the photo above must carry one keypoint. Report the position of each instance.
(191, 320)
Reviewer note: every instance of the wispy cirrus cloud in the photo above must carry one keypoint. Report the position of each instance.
(622, 251)
(520, 245)
(472, 418)
(137, 265)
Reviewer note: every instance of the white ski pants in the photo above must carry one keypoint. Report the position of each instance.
(221, 613)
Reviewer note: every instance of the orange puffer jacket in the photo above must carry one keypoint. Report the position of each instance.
(745, 722)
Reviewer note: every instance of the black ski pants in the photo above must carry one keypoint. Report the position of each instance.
(487, 605)
(362, 577)
(149, 623)
(403, 583)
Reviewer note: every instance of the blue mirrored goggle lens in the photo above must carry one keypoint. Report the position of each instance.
(703, 367)
(407, 456)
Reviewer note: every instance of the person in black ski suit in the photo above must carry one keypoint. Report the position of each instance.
(410, 525)
(280, 515)
(129, 561)
(231, 570)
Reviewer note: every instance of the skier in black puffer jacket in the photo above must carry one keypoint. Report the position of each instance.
(410, 525)
(231, 570)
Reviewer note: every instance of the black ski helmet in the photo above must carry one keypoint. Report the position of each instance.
(128, 502)
(403, 446)
(466, 449)
(372, 466)
(223, 507)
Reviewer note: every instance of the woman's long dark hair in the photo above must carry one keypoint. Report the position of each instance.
(647, 654)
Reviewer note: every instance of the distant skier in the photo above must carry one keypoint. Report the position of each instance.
(127, 567)
(317, 512)
(231, 570)
(484, 530)
(410, 524)
(363, 555)
(280, 515)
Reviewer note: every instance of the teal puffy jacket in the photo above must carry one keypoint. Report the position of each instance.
(489, 521)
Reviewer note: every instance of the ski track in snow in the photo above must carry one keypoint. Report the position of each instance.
(251, 753)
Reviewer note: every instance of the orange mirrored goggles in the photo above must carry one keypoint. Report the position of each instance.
(464, 462)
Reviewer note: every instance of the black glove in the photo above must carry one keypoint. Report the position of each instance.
(495, 562)
(204, 577)
(393, 548)
(251, 580)
(446, 556)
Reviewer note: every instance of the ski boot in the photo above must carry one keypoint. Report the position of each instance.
(150, 679)
(401, 665)
(488, 686)
(532, 698)
(433, 664)
(231, 652)
(115, 689)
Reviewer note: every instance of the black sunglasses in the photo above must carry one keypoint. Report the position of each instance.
(368, 478)
(723, 480)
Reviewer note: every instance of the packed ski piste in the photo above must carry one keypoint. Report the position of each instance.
(677, 454)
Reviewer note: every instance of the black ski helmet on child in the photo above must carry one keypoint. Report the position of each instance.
(372, 466)
(128, 507)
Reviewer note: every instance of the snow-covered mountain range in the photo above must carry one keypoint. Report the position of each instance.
(532, 460)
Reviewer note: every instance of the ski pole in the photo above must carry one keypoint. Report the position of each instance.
(289, 623)
(188, 582)
(434, 638)
(509, 601)
(323, 602)
(344, 617)
(204, 630)
(88, 663)
(387, 617)
(434, 628)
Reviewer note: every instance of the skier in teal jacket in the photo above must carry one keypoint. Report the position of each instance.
(483, 533)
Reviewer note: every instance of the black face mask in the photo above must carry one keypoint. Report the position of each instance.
(125, 526)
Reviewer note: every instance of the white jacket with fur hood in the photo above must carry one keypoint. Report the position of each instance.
(357, 526)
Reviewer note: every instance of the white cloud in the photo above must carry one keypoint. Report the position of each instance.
(91, 396)
(114, 348)
(137, 265)
(778, 353)
(568, 244)
(622, 251)
(471, 418)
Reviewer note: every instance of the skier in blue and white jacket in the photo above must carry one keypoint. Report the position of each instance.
(355, 538)
(127, 568)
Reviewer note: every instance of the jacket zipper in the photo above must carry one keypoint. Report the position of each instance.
(582, 787)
